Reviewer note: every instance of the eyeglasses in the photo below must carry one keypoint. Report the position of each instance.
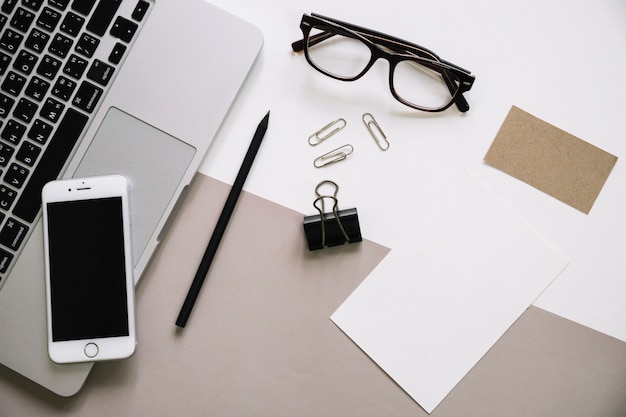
(418, 78)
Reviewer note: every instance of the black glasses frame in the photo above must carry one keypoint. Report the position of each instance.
(392, 49)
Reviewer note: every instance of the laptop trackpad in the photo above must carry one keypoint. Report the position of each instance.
(152, 161)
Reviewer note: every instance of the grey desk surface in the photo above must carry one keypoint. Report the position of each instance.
(260, 343)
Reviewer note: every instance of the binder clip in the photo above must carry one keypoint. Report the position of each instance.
(334, 228)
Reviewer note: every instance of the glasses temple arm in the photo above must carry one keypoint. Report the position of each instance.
(379, 37)
(459, 100)
(298, 46)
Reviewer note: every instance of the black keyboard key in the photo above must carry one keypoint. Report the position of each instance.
(72, 24)
(60, 45)
(102, 16)
(7, 196)
(37, 40)
(100, 72)
(8, 6)
(40, 131)
(32, 4)
(117, 53)
(5, 261)
(37, 88)
(25, 62)
(25, 110)
(13, 131)
(22, 19)
(59, 4)
(6, 152)
(6, 104)
(83, 6)
(51, 163)
(5, 61)
(87, 97)
(13, 83)
(3, 21)
(124, 29)
(52, 110)
(28, 153)
(10, 40)
(75, 66)
(16, 175)
(13, 233)
(140, 10)
(49, 19)
(87, 45)
(48, 67)
(63, 88)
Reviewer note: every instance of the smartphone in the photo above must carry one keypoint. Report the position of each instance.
(89, 277)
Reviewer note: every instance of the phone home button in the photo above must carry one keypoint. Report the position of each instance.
(91, 350)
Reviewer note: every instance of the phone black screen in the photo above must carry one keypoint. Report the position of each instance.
(87, 274)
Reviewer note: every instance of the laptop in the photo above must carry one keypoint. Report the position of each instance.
(90, 87)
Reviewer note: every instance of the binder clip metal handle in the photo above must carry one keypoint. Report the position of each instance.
(333, 228)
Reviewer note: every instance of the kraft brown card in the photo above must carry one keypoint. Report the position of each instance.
(550, 159)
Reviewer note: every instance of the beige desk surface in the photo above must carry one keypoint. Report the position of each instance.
(259, 342)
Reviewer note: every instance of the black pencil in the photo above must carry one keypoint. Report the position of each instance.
(222, 222)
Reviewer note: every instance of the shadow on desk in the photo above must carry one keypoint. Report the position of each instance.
(259, 341)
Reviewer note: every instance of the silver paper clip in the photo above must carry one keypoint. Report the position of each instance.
(327, 131)
(377, 133)
(333, 156)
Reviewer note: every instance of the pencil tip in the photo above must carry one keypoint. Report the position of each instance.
(265, 119)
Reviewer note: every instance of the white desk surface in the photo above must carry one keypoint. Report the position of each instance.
(562, 61)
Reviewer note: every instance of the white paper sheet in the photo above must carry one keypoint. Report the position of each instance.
(439, 301)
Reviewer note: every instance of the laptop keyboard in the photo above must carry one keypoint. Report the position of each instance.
(58, 59)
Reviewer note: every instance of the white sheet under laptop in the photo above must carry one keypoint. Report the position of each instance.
(154, 126)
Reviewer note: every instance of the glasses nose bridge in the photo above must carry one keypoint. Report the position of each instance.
(380, 52)
(388, 55)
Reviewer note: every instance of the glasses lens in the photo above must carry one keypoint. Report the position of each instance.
(423, 86)
(336, 54)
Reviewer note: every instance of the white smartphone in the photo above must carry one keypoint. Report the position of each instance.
(89, 277)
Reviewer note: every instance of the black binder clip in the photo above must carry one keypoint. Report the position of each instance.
(334, 228)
